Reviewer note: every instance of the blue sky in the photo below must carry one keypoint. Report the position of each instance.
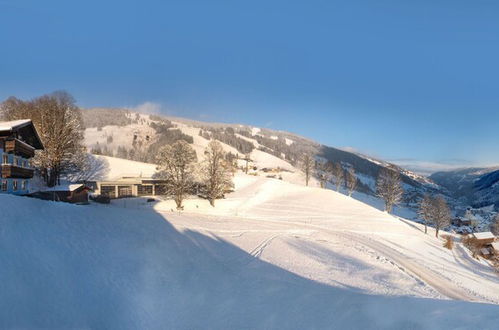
(412, 81)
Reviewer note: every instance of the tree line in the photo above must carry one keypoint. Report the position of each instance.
(228, 136)
(389, 187)
(328, 172)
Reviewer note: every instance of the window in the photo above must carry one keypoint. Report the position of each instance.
(5, 158)
(25, 163)
(23, 185)
(4, 185)
(108, 191)
(14, 185)
(144, 190)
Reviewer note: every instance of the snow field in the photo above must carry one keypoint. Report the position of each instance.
(271, 255)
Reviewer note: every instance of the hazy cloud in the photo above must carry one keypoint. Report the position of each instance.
(429, 167)
(147, 108)
(349, 149)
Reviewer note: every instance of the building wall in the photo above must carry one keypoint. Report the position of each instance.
(9, 183)
(79, 197)
(119, 189)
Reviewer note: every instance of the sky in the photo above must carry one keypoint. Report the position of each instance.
(414, 82)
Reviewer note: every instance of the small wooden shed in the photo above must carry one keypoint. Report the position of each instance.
(484, 238)
(69, 193)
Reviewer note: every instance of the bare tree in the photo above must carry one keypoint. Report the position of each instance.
(59, 123)
(176, 165)
(323, 172)
(216, 172)
(351, 181)
(426, 210)
(441, 214)
(435, 210)
(338, 175)
(494, 227)
(389, 188)
(247, 159)
(307, 166)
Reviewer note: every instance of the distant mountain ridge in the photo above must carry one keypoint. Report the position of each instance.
(477, 187)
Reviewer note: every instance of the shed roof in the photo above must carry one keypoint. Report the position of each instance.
(484, 235)
(67, 187)
(485, 251)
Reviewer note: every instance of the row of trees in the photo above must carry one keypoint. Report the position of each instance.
(227, 135)
(432, 209)
(59, 123)
(178, 166)
(328, 172)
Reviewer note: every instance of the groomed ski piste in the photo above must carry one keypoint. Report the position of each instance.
(270, 255)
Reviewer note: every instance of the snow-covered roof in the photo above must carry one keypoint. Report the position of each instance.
(66, 187)
(10, 125)
(495, 245)
(484, 235)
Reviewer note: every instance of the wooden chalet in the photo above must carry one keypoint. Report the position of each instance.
(18, 142)
(484, 238)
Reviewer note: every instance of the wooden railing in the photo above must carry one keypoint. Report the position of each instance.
(16, 172)
(19, 148)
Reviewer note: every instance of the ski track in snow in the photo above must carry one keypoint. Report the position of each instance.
(265, 208)
(257, 252)
(442, 285)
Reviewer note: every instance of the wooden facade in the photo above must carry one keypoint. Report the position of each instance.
(484, 238)
(19, 148)
(16, 172)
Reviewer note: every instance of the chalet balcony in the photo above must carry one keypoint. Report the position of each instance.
(19, 148)
(16, 172)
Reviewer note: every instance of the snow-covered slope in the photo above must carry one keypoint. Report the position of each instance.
(113, 168)
(336, 223)
(271, 255)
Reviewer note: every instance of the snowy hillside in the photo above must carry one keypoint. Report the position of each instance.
(138, 136)
(271, 255)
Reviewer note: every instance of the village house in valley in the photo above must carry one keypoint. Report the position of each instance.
(18, 142)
